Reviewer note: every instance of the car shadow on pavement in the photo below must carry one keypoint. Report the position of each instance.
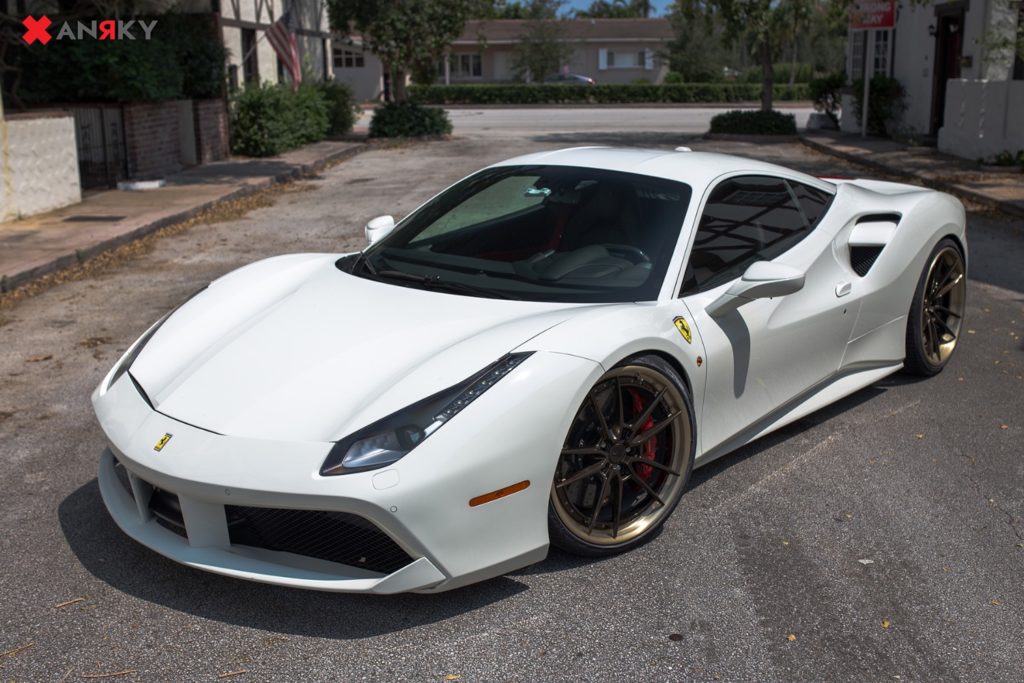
(120, 562)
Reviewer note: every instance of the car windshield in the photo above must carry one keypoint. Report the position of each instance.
(537, 233)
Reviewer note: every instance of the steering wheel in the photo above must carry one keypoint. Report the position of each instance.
(627, 251)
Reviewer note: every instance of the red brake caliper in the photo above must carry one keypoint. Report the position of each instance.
(644, 471)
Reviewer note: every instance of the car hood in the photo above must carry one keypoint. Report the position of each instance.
(294, 349)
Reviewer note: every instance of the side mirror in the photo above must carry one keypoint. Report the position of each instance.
(762, 280)
(378, 228)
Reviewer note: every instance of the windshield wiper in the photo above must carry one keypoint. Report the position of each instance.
(436, 283)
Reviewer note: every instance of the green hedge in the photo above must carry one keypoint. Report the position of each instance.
(549, 93)
(754, 122)
(408, 120)
(342, 109)
(270, 119)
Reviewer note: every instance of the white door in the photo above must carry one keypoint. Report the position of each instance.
(769, 352)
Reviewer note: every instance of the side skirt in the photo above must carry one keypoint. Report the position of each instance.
(849, 380)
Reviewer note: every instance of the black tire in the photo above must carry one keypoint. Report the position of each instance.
(633, 466)
(934, 324)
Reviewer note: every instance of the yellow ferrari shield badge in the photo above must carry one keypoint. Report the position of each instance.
(162, 442)
(684, 329)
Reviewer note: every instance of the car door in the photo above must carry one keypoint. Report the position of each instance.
(770, 352)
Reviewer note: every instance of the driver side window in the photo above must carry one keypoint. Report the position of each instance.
(748, 219)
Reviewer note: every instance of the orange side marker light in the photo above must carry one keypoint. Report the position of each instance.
(500, 493)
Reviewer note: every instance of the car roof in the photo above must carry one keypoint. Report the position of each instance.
(696, 169)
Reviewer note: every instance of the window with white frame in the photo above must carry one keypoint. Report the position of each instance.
(879, 63)
(625, 59)
(466, 66)
(347, 58)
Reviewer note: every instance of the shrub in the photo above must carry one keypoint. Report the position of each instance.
(407, 120)
(674, 78)
(826, 93)
(550, 93)
(341, 107)
(754, 122)
(270, 119)
(885, 103)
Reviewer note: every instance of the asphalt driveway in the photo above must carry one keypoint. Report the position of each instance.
(881, 539)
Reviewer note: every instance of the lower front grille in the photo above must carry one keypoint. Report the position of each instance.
(122, 476)
(167, 510)
(326, 535)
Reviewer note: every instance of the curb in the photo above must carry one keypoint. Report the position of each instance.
(941, 185)
(10, 282)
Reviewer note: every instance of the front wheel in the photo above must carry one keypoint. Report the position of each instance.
(625, 461)
(937, 311)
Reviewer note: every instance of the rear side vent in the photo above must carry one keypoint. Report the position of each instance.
(880, 218)
(862, 258)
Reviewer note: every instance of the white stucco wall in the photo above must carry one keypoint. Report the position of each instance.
(983, 118)
(39, 165)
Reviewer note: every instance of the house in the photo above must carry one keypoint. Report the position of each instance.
(244, 25)
(964, 85)
(607, 50)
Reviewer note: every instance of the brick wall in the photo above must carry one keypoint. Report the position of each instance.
(151, 140)
(211, 118)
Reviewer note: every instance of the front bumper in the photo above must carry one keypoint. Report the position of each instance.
(419, 504)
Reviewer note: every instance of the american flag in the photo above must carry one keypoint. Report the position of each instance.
(282, 39)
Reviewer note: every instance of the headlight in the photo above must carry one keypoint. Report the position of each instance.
(388, 440)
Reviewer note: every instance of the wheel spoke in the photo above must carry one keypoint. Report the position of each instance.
(588, 471)
(640, 480)
(947, 328)
(600, 418)
(644, 416)
(617, 519)
(620, 401)
(598, 504)
(945, 310)
(655, 464)
(933, 337)
(649, 434)
(945, 289)
(584, 451)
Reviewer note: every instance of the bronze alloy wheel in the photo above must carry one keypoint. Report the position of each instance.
(937, 314)
(625, 460)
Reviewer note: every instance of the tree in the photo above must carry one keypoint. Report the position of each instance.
(542, 49)
(615, 9)
(757, 25)
(407, 35)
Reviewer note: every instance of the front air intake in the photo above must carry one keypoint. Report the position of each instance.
(326, 535)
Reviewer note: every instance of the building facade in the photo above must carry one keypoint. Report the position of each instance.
(607, 50)
(964, 84)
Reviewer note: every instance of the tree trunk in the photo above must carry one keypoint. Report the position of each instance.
(767, 76)
(792, 68)
(398, 87)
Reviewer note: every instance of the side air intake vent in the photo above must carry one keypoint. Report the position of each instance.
(880, 218)
(862, 258)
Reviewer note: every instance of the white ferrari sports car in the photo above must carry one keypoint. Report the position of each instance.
(538, 355)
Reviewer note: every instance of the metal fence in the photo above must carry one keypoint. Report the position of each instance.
(99, 135)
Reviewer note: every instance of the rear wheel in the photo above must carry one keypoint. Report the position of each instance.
(937, 311)
(625, 461)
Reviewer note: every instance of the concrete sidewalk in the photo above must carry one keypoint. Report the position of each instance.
(36, 246)
(927, 166)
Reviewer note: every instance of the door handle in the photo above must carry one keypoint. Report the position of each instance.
(843, 288)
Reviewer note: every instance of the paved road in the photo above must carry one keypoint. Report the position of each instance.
(566, 125)
(760, 575)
